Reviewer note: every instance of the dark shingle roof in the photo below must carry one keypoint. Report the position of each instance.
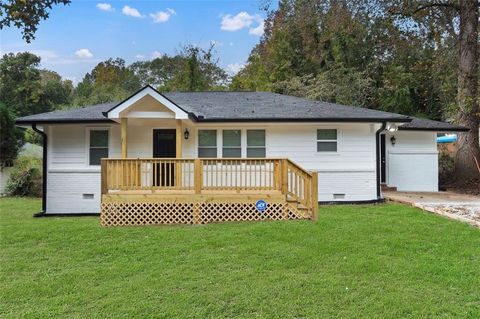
(237, 106)
(234, 106)
(84, 114)
(258, 106)
(418, 124)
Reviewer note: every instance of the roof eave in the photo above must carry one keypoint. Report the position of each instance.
(346, 120)
(71, 121)
(430, 129)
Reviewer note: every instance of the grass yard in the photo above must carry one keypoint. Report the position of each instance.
(384, 261)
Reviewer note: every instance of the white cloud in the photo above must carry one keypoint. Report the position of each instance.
(243, 20)
(139, 57)
(156, 54)
(237, 22)
(132, 12)
(258, 31)
(83, 54)
(105, 6)
(162, 16)
(234, 68)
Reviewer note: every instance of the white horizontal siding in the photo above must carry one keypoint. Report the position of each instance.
(412, 163)
(66, 189)
(354, 186)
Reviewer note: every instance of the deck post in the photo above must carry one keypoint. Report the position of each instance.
(178, 140)
(104, 176)
(277, 178)
(198, 179)
(315, 196)
(178, 153)
(123, 135)
(284, 179)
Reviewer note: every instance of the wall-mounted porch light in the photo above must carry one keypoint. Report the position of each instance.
(393, 140)
(392, 128)
(186, 134)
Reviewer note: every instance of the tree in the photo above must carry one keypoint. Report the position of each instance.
(56, 92)
(10, 137)
(26, 14)
(26, 89)
(468, 99)
(199, 71)
(192, 69)
(20, 86)
(438, 18)
(159, 71)
(109, 81)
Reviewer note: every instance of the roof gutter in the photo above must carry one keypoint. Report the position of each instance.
(377, 153)
(69, 121)
(456, 129)
(283, 120)
(44, 170)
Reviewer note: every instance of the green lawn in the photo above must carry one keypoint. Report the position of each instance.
(384, 261)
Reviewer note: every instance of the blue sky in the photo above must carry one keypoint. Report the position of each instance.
(76, 37)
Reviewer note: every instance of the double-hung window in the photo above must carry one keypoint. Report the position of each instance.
(256, 143)
(98, 145)
(327, 140)
(232, 143)
(207, 143)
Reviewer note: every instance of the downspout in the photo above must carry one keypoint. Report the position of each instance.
(44, 169)
(377, 144)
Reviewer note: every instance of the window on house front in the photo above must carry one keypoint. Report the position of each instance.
(232, 143)
(327, 140)
(256, 143)
(207, 143)
(98, 147)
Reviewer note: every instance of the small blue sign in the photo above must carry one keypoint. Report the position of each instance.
(261, 205)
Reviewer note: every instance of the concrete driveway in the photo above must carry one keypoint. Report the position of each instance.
(461, 207)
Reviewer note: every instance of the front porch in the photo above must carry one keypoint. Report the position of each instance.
(199, 191)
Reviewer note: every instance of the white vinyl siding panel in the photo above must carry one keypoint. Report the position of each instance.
(412, 163)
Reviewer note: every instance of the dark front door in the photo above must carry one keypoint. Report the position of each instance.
(164, 146)
(383, 165)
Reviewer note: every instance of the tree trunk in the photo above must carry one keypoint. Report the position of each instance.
(468, 113)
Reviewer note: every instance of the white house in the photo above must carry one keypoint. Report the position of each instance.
(354, 150)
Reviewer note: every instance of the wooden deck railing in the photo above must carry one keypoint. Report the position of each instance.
(215, 175)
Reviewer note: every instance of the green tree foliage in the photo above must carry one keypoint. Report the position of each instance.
(10, 137)
(192, 69)
(326, 50)
(25, 89)
(26, 14)
(110, 80)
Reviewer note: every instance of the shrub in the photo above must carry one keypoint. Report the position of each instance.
(25, 177)
(446, 166)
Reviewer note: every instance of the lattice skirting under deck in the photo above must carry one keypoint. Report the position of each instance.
(151, 213)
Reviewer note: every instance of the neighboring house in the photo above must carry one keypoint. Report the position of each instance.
(27, 149)
(353, 149)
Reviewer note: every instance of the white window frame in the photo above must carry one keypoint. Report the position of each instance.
(329, 141)
(231, 147)
(258, 147)
(87, 140)
(210, 147)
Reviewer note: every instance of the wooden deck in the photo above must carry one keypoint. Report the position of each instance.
(193, 191)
